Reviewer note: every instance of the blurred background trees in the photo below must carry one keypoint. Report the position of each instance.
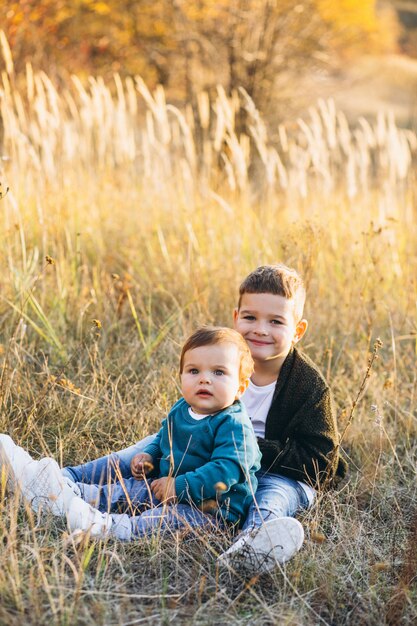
(184, 44)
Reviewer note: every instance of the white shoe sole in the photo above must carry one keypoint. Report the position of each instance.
(266, 547)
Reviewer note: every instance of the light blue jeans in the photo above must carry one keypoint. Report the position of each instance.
(276, 495)
(107, 468)
(139, 512)
(136, 512)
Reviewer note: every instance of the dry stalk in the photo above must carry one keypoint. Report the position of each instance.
(371, 361)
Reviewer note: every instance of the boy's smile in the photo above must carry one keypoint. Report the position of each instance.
(258, 342)
(210, 379)
(267, 323)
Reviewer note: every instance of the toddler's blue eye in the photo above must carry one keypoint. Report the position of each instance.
(194, 370)
(219, 372)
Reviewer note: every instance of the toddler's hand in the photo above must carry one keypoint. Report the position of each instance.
(164, 489)
(141, 465)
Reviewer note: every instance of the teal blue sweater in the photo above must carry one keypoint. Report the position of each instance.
(199, 454)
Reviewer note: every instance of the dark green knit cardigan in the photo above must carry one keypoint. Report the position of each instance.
(301, 434)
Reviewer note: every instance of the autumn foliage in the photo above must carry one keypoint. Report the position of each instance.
(189, 45)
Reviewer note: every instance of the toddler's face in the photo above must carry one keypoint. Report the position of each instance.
(210, 377)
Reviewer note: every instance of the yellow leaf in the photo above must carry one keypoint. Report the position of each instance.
(101, 8)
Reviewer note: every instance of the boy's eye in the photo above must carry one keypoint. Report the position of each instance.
(249, 317)
(218, 372)
(276, 322)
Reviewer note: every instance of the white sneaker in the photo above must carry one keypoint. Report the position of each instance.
(47, 489)
(81, 516)
(40, 482)
(262, 549)
(15, 462)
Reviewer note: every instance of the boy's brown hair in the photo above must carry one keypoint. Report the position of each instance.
(279, 280)
(212, 335)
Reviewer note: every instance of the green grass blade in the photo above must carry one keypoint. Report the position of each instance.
(135, 317)
(51, 340)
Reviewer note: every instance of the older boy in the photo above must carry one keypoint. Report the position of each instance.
(290, 406)
(289, 403)
(207, 440)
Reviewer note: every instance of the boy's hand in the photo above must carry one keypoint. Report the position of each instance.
(141, 465)
(164, 489)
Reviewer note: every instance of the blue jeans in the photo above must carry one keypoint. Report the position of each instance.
(107, 468)
(136, 512)
(276, 495)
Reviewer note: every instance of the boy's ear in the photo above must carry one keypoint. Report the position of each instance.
(300, 330)
(242, 388)
(235, 315)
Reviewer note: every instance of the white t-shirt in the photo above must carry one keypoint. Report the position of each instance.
(257, 401)
(196, 416)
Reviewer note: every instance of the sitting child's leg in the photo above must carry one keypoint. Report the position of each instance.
(40, 483)
(171, 517)
(127, 527)
(276, 496)
(43, 486)
(270, 534)
(122, 496)
(109, 467)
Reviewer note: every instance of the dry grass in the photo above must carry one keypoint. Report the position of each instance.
(151, 217)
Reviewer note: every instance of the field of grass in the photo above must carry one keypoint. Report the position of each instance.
(127, 223)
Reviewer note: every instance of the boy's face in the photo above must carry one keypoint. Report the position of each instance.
(210, 377)
(267, 323)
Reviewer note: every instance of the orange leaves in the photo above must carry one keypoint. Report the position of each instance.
(101, 8)
(65, 384)
(360, 14)
(162, 40)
